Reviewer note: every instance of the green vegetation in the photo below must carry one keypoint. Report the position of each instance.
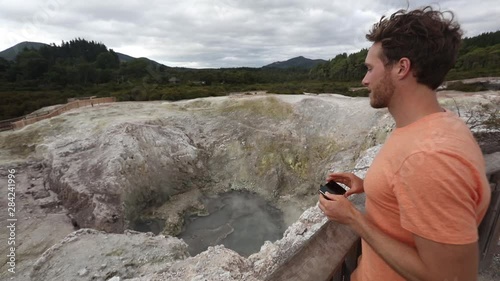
(51, 74)
(270, 107)
(342, 68)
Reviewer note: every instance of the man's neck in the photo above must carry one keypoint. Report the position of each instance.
(413, 103)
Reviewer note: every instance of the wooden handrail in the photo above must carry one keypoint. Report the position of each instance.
(71, 105)
(489, 230)
(322, 257)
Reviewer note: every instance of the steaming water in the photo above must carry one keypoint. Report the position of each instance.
(240, 221)
(149, 225)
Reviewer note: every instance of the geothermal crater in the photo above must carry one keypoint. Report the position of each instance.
(233, 171)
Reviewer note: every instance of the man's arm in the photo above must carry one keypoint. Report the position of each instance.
(428, 262)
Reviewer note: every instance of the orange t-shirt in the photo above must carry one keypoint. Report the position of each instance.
(428, 179)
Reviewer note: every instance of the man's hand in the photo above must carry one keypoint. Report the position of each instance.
(338, 208)
(354, 183)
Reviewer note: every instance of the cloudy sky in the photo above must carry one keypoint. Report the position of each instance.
(220, 33)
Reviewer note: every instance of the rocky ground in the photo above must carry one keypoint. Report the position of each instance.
(493, 272)
(105, 166)
(41, 219)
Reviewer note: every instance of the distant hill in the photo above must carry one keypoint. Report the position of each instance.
(11, 53)
(298, 62)
(124, 58)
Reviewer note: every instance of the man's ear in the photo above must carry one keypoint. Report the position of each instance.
(404, 67)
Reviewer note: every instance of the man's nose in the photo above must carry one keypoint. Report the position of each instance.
(364, 81)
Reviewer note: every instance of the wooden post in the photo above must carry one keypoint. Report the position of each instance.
(489, 230)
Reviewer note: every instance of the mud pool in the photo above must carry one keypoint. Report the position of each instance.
(241, 221)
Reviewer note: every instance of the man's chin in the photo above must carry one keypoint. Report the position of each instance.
(377, 106)
(372, 100)
(376, 103)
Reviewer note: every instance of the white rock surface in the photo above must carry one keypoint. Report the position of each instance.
(126, 255)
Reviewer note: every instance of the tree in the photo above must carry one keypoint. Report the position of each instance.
(4, 67)
(87, 73)
(135, 69)
(31, 65)
(107, 61)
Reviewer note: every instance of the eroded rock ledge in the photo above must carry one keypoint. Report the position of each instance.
(116, 163)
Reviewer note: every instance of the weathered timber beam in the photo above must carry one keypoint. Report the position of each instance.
(320, 256)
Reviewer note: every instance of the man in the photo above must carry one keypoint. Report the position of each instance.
(426, 191)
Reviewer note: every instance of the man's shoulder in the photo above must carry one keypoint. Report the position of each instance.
(445, 133)
(443, 136)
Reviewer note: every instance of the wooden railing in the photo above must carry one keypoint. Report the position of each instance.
(25, 120)
(489, 230)
(7, 124)
(330, 255)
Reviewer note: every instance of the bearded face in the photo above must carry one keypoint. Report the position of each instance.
(382, 91)
(378, 78)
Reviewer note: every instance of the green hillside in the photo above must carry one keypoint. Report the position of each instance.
(49, 74)
(298, 62)
(12, 52)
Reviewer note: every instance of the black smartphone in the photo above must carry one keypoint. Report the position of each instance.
(332, 188)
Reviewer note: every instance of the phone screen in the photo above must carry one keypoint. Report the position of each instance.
(333, 188)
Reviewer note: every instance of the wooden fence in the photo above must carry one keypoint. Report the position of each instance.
(489, 230)
(24, 121)
(330, 254)
(7, 124)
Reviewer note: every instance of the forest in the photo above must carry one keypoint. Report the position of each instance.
(78, 68)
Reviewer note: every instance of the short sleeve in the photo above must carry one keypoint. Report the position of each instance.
(437, 197)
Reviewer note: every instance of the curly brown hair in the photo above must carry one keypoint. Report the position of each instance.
(424, 36)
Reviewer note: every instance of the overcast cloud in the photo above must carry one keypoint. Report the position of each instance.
(220, 33)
